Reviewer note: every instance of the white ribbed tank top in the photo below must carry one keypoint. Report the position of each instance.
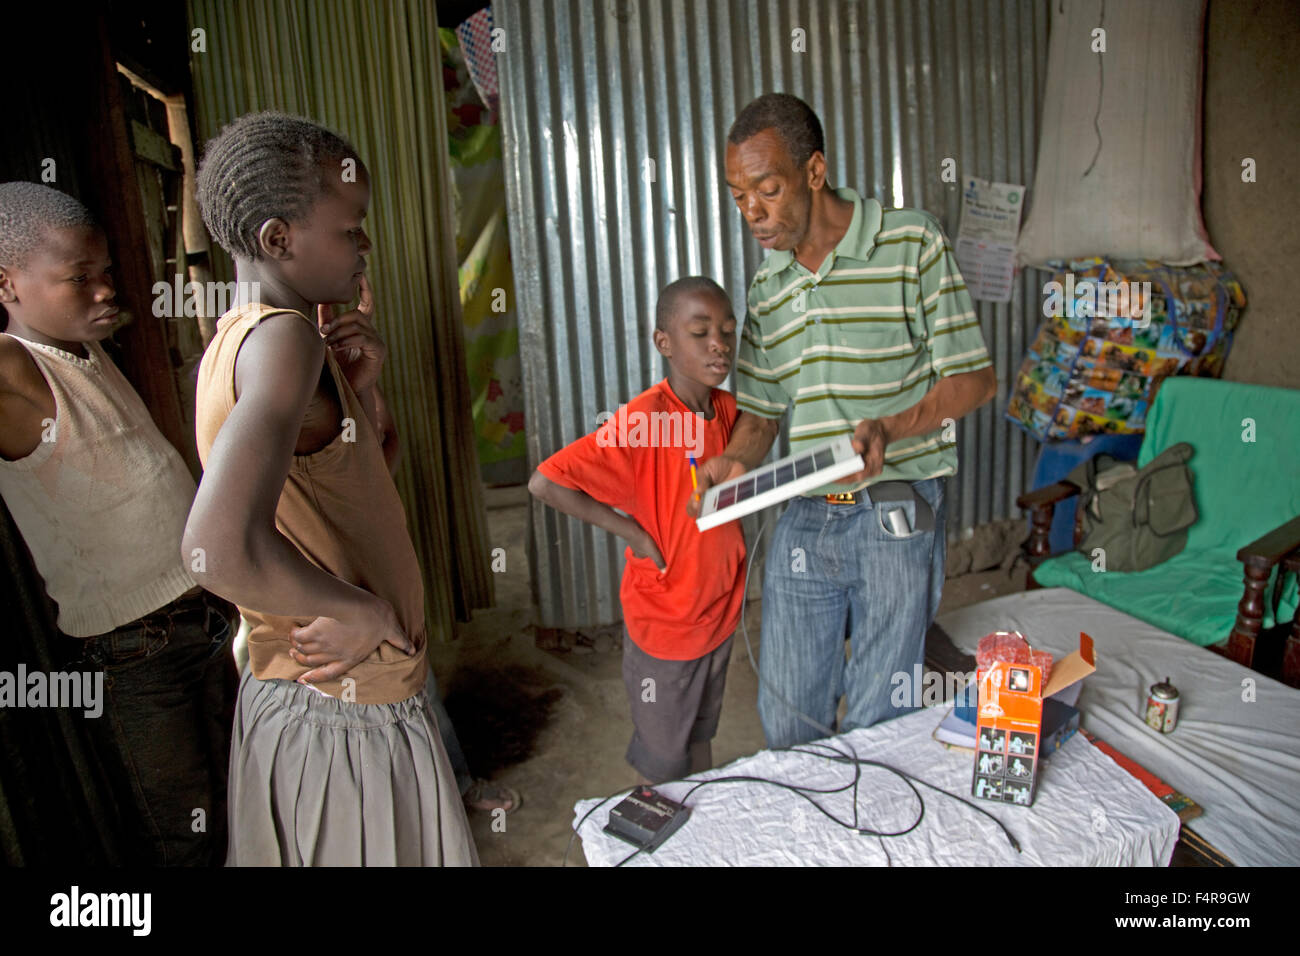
(102, 500)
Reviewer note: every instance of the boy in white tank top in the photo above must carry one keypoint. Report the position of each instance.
(101, 499)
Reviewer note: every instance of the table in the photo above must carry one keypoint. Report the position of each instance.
(1088, 812)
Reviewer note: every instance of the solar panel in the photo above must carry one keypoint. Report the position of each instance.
(771, 484)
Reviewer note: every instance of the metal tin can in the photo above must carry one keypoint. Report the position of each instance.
(1162, 707)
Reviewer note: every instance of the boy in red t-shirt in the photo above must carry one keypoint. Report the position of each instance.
(682, 588)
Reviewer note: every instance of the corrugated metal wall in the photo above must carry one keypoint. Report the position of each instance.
(615, 116)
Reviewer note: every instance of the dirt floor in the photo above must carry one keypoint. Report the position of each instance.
(554, 724)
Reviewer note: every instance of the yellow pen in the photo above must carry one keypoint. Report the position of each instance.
(695, 484)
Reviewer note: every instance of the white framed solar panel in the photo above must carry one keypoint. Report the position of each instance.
(767, 485)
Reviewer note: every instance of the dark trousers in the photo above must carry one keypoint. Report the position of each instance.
(164, 735)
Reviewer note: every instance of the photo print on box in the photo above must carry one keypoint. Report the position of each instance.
(1022, 767)
(1015, 792)
(988, 788)
(989, 763)
(1017, 678)
(1022, 743)
(993, 740)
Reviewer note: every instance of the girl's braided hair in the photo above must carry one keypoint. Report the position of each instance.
(262, 166)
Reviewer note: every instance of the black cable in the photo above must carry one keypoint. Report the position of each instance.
(749, 648)
(974, 806)
(826, 732)
(1101, 88)
(803, 793)
(835, 755)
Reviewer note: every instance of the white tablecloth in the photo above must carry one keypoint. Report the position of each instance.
(1088, 812)
(1239, 758)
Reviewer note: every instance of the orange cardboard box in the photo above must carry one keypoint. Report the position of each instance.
(1009, 723)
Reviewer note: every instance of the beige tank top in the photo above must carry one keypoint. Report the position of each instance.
(103, 499)
(340, 508)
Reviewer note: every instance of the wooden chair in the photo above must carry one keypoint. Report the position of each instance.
(1224, 475)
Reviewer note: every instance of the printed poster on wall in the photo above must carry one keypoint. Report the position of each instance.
(986, 241)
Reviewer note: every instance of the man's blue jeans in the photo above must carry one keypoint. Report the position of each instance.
(834, 572)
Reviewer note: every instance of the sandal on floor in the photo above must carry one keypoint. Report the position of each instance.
(488, 796)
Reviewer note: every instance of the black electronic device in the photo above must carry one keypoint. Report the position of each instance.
(645, 818)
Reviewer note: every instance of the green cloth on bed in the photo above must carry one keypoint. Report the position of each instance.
(1244, 489)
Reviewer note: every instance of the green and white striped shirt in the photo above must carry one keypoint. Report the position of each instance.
(866, 336)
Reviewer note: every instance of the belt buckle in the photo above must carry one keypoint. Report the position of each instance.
(843, 498)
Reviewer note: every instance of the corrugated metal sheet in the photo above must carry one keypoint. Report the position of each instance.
(593, 91)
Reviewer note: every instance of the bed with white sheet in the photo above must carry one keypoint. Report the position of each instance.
(1236, 749)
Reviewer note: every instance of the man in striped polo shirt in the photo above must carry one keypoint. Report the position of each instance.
(859, 323)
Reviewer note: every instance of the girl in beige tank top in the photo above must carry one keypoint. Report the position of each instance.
(350, 769)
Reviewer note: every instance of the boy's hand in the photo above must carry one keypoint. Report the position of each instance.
(715, 471)
(643, 546)
(332, 648)
(352, 338)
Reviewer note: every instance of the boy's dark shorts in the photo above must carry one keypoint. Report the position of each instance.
(686, 704)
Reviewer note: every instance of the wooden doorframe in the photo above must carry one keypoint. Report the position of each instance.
(145, 358)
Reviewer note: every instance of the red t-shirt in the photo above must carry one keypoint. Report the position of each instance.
(638, 462)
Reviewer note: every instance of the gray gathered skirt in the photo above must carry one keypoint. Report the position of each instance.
(315, 781)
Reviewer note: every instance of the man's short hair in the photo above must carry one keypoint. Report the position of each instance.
(27, 211)
(264, 166)
(671, 297)
(792, 118)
